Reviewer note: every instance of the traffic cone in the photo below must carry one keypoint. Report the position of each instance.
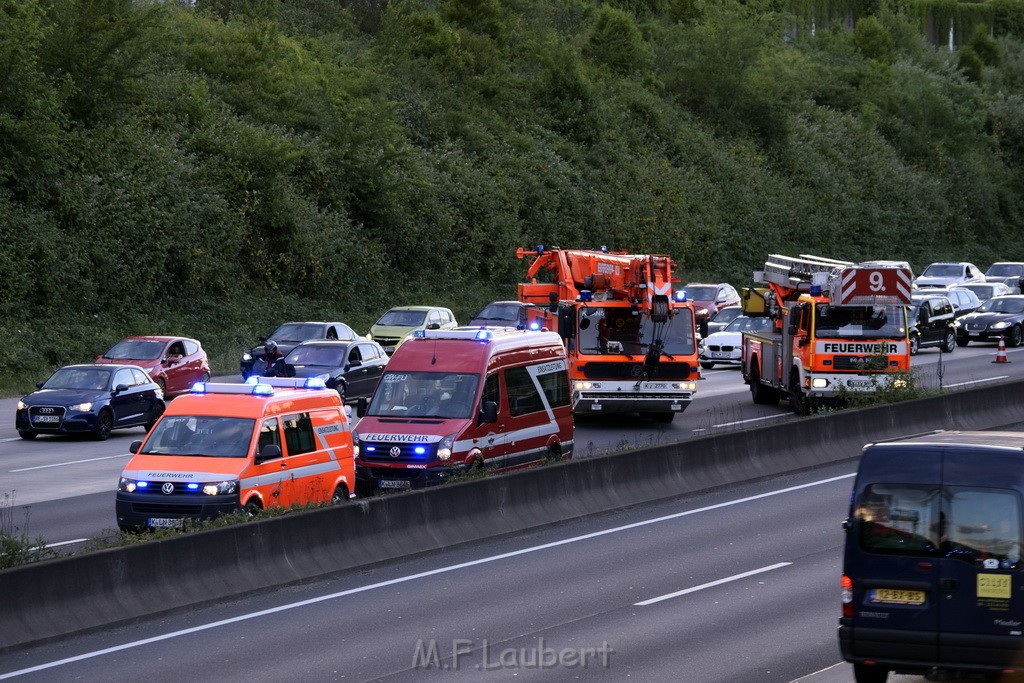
(1001, 352)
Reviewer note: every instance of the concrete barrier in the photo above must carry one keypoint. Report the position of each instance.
(58, 597)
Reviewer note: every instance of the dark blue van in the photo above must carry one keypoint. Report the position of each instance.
(933, 575)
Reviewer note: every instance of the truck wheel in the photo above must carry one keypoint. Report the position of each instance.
(915, 344)
(797, 401)
(706, 366)
(761, 395)
(863, 673)
(950, 342)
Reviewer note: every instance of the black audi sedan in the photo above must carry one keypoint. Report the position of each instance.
(90, 399)
(1001, 316)
(351, 367)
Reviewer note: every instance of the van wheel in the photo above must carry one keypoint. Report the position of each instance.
(863, 673)
(761, 395)
(340, 495)
(554, 453)
(253, 507)
(950, 342)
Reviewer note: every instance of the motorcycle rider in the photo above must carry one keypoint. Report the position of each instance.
(270, 363)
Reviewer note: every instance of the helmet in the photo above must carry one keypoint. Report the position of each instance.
(270, 346)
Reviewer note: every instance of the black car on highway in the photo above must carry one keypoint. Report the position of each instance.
(351, 367)
(90, 399)
(288, 335)
(932, 321)
(1002, 316)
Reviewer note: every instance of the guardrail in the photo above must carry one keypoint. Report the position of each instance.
(55, 598)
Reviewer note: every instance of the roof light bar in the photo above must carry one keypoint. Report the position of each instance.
(255, 389)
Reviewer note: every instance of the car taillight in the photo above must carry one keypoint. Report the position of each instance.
(846, 596)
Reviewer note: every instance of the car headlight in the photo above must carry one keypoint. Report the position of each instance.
(127, 485)
(246, 356)
(81, 407)
(444, 447)
(999, 326)
(21, 405)
(355, 443)
(221, 488)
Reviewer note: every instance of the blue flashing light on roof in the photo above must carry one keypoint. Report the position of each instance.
(483, 335)
(419, 334)
(604, 249)
(680, 295)
(315, 383)
(540, 249)
(263, 390)
(252, 379)
(535, 326)
(586, 295)
(199, 388)
(815, 290)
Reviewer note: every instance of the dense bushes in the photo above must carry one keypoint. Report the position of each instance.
(214, 170)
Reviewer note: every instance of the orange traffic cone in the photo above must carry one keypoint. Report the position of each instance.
(1001, 352)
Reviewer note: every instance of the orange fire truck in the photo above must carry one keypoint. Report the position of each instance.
(838, 328)
(631, 344)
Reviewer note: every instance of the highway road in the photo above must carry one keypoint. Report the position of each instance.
(61, 489)
(740, 584)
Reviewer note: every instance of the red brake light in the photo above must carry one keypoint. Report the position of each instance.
(846, 596)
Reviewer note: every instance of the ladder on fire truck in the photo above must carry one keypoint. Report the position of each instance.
(790, 272)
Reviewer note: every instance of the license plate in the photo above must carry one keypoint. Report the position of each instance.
(165, 523)
(859, 383)
(896, 596)
(721, 354)
(46, 418)
(394, 483)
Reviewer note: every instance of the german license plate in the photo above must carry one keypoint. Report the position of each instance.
(46, 418)
(859, 383)
(720, 354)
(394, 483)
(164, 523)
(896, 596)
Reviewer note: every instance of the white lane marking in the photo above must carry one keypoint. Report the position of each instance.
(71, 462)
(753, 419)
(976, 381)
(12, 438)
(413, 577)
(54, 545)
(712, 584)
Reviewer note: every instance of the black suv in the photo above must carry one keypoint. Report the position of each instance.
(932, 323)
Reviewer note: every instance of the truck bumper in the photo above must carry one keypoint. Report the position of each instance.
(599, 402)
(825, 386)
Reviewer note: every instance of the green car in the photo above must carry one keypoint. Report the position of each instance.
(398, 323)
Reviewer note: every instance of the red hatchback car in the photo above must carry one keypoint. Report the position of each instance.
(175, 363)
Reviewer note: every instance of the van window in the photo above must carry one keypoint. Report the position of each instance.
(983, 524)
(523, 396)
(205, 435)
(556, 387)
(491, 391)
(969, 524)
(298, 433)
(270, 435)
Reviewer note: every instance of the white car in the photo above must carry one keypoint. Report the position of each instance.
(725, 347)
(949, 274)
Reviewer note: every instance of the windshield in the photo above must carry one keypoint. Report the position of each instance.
(726, 314)
(499, 312)
(943, 270)
(204, 435)
(79, 378)
(748, 324)
(981, 291)
(135, 349)
(296, 332)
(425, 394)
(1003, 304)
(615, 331)
(701, 293)
(332, 356)
(402, 319)
(1005, 270)
(861, 322)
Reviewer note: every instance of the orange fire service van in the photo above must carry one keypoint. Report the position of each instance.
(450, 400)
(271, 442)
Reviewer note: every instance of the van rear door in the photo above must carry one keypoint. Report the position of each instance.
(892, 554)
(981, 578)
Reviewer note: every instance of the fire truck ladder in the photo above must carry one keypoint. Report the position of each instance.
(787, 271)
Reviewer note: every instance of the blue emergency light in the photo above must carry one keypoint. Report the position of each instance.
(540, 249)
(314, 383)
(680, 295)
(483, 335)
(586, 295)
(535, 326)
(420, 450)
(263, 390)
(193, 486)
(419, 334)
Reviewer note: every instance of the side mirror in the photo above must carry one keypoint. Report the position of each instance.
(332, 382)
(489, 412)
(924, 317)
(434, 326)
(134, 447)
(118, 389)
(553, 302)
(355, 363)
(39, 385)
(360, 406)
(269, 452)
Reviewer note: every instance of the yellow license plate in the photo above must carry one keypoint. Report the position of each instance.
(994, 586)
(894, 596)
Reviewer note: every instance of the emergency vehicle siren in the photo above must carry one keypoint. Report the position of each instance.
(1001, 352)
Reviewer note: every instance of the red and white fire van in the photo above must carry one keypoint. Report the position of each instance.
(450, 400)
